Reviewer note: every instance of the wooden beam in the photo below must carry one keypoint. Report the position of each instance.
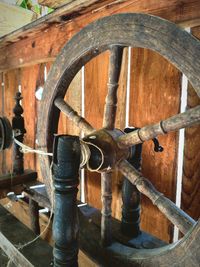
(8, 180)
(32, 255)
(43, 39)
(56, 3)
(39, 195)
(16, 182)
(8, 12)
(13, 253)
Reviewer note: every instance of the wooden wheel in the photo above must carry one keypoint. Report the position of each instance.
(181, 49)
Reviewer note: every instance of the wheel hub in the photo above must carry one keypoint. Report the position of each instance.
(101, 150)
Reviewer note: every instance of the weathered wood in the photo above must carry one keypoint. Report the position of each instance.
(13, 253)
(106, 211)
(7, 181)
(55, 4)
(8, 12)
(96, 77)
(155, 87)
(74, 98)
(11, 82)
(185, 253)
(43, 39)
(20, 209)
(174, 123)
(31, 255)
(39, 85)
(166, 206)
(110, 109)
(30, 78)
(39, 195)
(116, 54)
(4, 260)
(162, 31)
(73, 115)
(34, 216)
(72, 51)
(191, 167)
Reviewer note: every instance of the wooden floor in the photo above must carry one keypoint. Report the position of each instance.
(21, 210)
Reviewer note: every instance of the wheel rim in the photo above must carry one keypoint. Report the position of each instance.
(139, 30)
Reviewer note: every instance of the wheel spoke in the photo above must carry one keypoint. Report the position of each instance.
(116, 54)
(73, 115)
(182, 120)
(166, 206)
(106, 197)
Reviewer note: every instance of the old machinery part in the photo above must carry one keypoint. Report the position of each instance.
(112, 34)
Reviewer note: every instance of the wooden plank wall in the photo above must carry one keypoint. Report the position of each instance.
(155, 95)
(191, 166)
(153, 80)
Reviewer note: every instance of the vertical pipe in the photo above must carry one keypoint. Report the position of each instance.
(130, 225)
(66, 162)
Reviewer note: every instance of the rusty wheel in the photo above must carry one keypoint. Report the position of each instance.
(181, 49)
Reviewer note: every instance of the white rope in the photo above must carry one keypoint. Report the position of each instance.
(27, 149)
(51, 215)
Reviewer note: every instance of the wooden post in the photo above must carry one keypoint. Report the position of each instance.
(130, 225)
(19, 130)
(34, 216)
(66, 162)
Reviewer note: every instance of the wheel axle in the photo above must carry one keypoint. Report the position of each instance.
(103, 153)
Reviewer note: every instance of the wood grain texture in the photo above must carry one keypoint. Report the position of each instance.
(31, 78)
(20, 210)
(96, 77)
(43, 40)
(8, 12)
(155, 95)
(191, 167)
(11, 82)
(73, 98)
(55, 4)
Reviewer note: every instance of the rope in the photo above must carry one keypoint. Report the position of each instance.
(49, 220)
(27, 149)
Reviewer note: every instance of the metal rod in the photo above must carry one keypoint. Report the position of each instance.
(178, 217)
(73, 115)
(110, 108)
(106, 212)
(182, 120)
(66, 161)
